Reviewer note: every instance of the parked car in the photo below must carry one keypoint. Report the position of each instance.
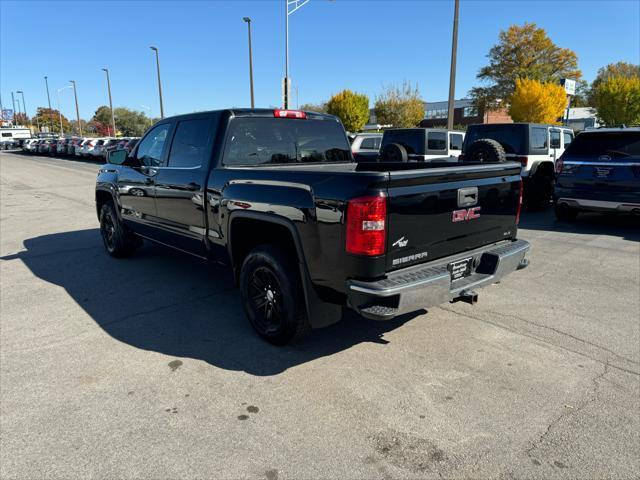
(599, 172)
(44, 145)
(88, 147)
(535, 146)
(98, 149)
(63, 146)
(306, 229)
(130, 145)
(27, 143)
(110, 145)
(417, 145)
(365, 143)
(75, 144)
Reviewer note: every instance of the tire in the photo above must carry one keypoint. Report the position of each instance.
(394, 152)
(272, 295)
(486, 150)
(118, 242)
(565, 213)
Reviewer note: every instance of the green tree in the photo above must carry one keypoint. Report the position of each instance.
(314, 107)
(352, 108)
(130, 123)
(617, 100)
(400, 106)
(537, 102)
(522, 52)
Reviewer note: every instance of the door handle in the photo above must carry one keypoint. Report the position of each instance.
(192, 187)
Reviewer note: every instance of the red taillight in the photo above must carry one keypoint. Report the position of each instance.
(366, 225)
(519, 203)
(523, 160)
(289, 114)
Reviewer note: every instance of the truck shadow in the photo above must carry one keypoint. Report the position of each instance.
(171, 303)
(623, 226)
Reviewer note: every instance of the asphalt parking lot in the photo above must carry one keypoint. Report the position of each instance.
(147, 367)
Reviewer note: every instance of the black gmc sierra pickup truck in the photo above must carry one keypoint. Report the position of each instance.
(306, 230)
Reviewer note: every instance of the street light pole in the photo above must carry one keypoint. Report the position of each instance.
(46, 82)
(296, 5)
(60, 111)
(248, 21)
(452, 73)
(75, 94)
(13, 101)
(159, 83)
(24, 107)
(113, 118)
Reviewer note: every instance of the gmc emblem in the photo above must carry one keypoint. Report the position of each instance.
(465, 214)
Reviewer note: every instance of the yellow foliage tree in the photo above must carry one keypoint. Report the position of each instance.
(537, 102)
(617, 100)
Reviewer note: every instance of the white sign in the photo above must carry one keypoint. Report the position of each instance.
(569, 86)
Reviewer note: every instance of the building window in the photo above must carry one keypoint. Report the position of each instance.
(470, 111)
(436, 113)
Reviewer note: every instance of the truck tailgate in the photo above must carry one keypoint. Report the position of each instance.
(436, 212)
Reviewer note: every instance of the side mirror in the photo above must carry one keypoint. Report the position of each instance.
(117, 157)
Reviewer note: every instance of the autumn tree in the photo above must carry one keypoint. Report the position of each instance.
(522, 52)
(351, 108)
(400, 106)
(618, 69)
(537, 102)
(617, 100)
(50, 118)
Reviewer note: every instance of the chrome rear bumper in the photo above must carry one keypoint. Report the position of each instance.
(430, 284)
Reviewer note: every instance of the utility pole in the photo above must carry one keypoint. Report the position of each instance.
(46, 82)
(159, 83)
(452, 74)
(248, 21)
(113, 118)
(75, 94)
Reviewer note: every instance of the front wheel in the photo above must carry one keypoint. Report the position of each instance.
(118, 242)
(272, 296)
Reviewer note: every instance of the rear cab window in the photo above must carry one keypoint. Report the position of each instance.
(276, 141)
(369, 143)
(599, 146)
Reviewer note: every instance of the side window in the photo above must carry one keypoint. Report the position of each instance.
(437, 141)
(539, 138)
(368, 143)
(190, 143)
(555, 138)
(377, 141)
(455, 141)
(151, 147)
(568, 138)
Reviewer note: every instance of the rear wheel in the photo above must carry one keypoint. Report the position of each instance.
(565, 213)
(272, 297)
(117, 241)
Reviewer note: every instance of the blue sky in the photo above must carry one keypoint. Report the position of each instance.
(357, 44)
